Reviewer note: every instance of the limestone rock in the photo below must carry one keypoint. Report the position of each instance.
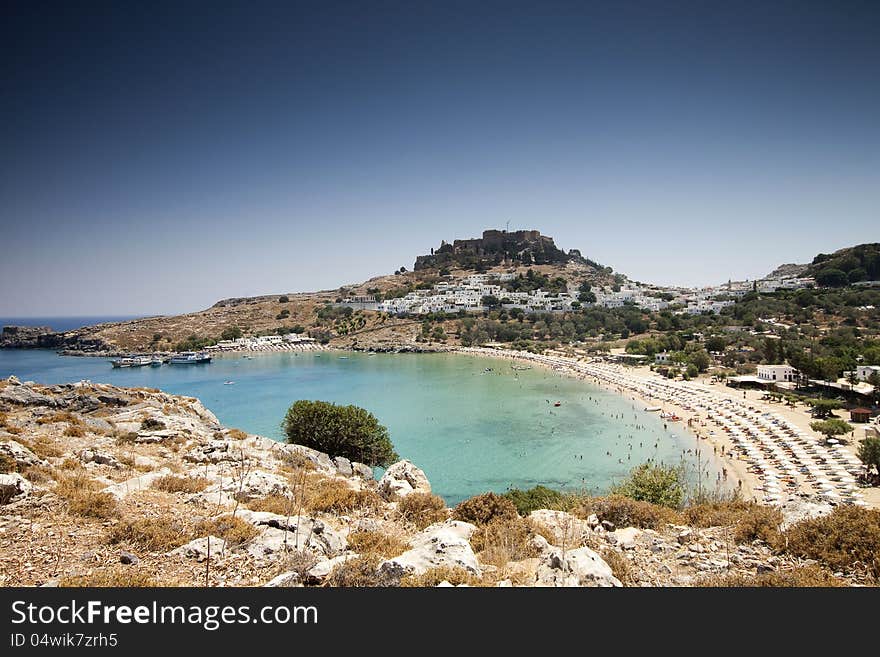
(94, 456)
(23, 395)
(284, 580)
(361, 470)
(198, 549)
(282, 534)
(343, 466)
(567, 529)
(20, 454)
(442, 544)
(580, 567)
(796, 509)
(403, 478)
(129, 486)
(13, 487)
(257, 483)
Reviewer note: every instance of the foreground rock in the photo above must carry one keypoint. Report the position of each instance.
(442, 545)
(402, 479)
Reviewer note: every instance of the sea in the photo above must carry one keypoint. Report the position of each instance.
(473, 424)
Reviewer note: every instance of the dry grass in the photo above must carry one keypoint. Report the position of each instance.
(16, 431)
(483, 508)
(620, 566)
(83, 498)
(847, 539)
(335, 496)
(174, 484)
(280, 504)
(231, 529)
(111, 577)
(75, 431)
(294, 462)
(435, 576)
(8, 464)
(70, 464)
(236, 434)
(801, 576)
(504, 539)
(625, 512)
(39, 474)
(61, 416)
(371, 543)
(716, 514)
(44, 447)
(3, 419)
(360, 572)
(155, 534)
(422, 509)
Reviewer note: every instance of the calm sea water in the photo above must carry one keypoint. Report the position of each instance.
(469, 429)
(61, 324)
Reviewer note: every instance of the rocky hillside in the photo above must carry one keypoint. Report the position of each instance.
(134, 487)
(850, 265)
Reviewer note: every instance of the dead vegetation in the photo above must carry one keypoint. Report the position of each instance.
(435, 576)
(504, 539)
(800, 577)
(112, 577)
(83, 497)
(422, 509)
(175, 484)
(374, 543)
(159, 534)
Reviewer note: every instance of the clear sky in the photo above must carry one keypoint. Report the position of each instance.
(155, 159)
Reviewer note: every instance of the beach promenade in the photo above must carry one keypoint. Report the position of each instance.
(772, 453)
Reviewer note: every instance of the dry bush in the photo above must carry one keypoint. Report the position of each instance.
(174, 484)
(280, 504)
(483, 508)
(360, 572)
(75, 431)
(83, 498)
(236, 434)
(3, 419)
(43, 447)
(335, 496)
(39, 474)
(61, 416)
(847, 539)
(153, 424)
(70, 464)
(800, 576)
(8, 464)
(435, 576)
(372, 543)
(155, 534)
(123, 437)
(422, 509)
(231, 529)
(294, 461)
(504, 539)
(111, 577)
(758, 523)
(16, 431)
(625, 512)
(300, 562)
(620, 566)
(716, 513)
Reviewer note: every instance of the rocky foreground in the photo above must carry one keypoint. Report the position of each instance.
(134, 487)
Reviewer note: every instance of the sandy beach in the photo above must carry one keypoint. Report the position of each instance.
(767, 449)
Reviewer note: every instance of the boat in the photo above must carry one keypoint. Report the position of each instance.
(343, 358)
(652, 409)
(190, 358)
(132, 361)
(228, 383)
(156, 362)
(558, 404)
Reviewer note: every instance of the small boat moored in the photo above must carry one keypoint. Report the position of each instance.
(190, 358)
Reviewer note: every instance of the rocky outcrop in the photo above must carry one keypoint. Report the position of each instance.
(403, 478)
(21, 455)
(13, 487)
(443, 544)
(579, 567)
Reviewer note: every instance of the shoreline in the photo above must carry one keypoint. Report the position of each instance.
(750, 435)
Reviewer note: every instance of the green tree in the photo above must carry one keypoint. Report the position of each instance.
(348, 431)
(231, 333)
(283, 299)
(657, 484)
(491, 301)
(869, 453)
(831, 278)
(830, 428)
(823, 408)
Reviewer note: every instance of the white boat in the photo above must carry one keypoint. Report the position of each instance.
(190, 358)
(652, 409)
(132, 361)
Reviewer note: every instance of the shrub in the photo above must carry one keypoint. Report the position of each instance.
(360, 572)
(74, 431)
(538, 497)
(174, 484)
(152, 424)
(7, 464)
(846, 539)
(231, 529)
(657, 484)
(283, 299)
(504, 539)
(155, 534)
(335, 496)
(626, 512)
(236, 434)
(60, 416)
(372, 543)
(480, 509)
(83, 499)
(621, 567)
(869, 453)
(800, 576)
(435, 576)
(111, 577)
(422, 509)
(280, 504)
(758, 523)
(347, 431)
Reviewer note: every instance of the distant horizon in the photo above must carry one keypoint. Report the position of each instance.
(165, 157)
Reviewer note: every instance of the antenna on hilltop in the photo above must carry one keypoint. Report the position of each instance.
(507, 228)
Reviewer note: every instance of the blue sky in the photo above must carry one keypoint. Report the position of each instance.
(155, 160)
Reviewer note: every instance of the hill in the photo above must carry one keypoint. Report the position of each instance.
(847, 266)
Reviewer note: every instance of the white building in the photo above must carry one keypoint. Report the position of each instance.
(662, 357)
(777, 373)
(863, 372)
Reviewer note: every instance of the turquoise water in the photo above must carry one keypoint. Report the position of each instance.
(470, 430)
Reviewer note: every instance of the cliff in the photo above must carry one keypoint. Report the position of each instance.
(134, 487)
